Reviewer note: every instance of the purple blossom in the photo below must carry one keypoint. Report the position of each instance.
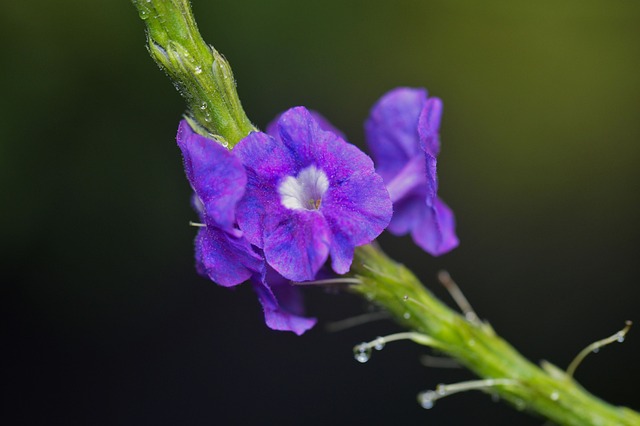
(403, 135)
(309, 195)
(222, 253)
(218, 180)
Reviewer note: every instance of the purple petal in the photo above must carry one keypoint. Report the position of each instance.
(411, 177)
(429, 126)
(215, 174)
(431, 178)
(435, 232)
(225, 259)
(392, 129)
(299, 245)
(357, 210)
(403, 133)
(356, 205)
(407, 213)
(272, 128)
(309, 145)
(266, 160)
(282, 305)
(342, 250)
(295, 243)
(300, 133)
(323, 123)
(429, 131)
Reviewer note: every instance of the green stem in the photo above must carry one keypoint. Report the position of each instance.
(547, 391)
(201, 74)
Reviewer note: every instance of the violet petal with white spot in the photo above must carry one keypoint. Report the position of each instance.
(309, 193)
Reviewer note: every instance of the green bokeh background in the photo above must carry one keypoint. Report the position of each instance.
(108, 322)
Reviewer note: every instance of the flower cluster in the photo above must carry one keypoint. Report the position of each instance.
(280, 204)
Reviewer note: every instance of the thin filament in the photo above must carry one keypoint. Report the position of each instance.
(617, 337)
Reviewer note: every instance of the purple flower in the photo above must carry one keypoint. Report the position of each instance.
(218, 180)
(309, 195)
(222, 253)
(403, 135)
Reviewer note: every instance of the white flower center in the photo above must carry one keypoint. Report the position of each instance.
(305, 191)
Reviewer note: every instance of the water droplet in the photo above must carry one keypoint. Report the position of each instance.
(520, 405)
(378, 344)
(369, 296)
(596, 350)
(362, 352)
(203, 106)
(554, 396)
(620, 337)
(441, 390)
(406, 315)
(198, 69)
(427, 399)
(495, 397)
(405, 297)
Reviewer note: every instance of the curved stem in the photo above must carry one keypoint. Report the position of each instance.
(547, 391)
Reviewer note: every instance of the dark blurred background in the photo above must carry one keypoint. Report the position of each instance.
(105, 321)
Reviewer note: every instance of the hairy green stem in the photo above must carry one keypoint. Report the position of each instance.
(201, 74)
(547, 391)
(205, 80)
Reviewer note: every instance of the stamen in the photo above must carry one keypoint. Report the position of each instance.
(428, 398)
(595, 347)
(457, 295)
(197, 224)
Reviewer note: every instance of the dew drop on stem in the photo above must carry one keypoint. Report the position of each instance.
(378, 344)
(427, 399)
(362, 352)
